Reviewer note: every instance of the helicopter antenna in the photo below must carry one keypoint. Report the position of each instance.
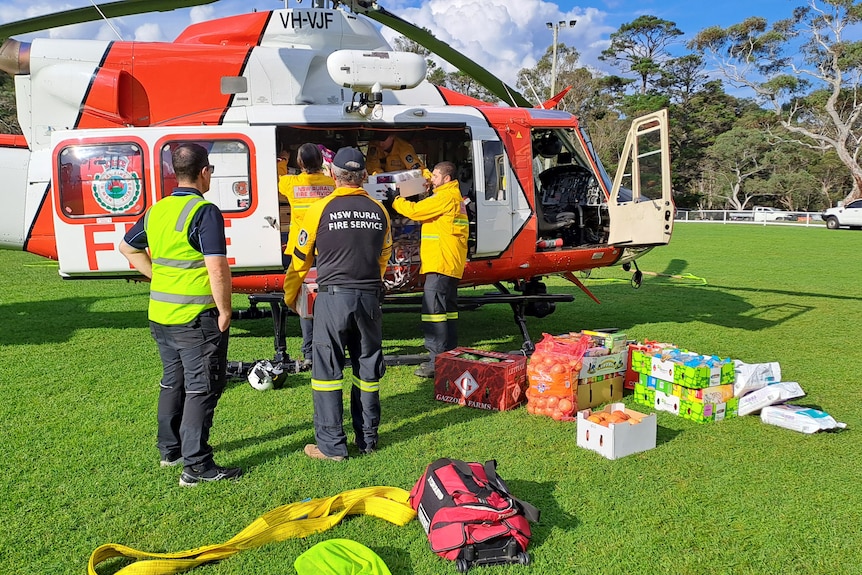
(535, 95)
(108, 22)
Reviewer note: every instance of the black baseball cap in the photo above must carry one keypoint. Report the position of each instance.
(349, 159)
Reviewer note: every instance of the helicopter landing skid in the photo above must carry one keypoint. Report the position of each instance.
(534, 301)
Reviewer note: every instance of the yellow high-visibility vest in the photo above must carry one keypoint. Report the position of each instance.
(180, 288)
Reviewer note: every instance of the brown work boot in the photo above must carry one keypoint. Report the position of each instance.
(314, 452)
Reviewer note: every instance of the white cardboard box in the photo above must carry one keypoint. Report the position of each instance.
(407, 183)
(617, 439)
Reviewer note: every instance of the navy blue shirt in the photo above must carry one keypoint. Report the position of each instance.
(206, 232)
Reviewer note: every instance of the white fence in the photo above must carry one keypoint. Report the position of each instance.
(806, 219)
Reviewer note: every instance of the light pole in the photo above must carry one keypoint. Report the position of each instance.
(556, 28)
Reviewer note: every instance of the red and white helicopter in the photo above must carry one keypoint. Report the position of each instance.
(99, 119)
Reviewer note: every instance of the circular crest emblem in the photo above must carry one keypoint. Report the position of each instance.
(240, 189)
(302, 239)
(116, 190)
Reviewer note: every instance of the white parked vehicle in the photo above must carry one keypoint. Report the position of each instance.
(763, 214)
(849, 215)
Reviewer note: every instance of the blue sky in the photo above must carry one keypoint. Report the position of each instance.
(502, 35)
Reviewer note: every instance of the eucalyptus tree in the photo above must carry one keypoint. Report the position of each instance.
(641, 47)
(737, 161)
(805, 69)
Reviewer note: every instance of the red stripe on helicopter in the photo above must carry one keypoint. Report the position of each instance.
(150, 84)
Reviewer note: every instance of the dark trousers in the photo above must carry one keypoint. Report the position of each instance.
(194, 360)
(306, 326)
(346, 319)
(440, 313)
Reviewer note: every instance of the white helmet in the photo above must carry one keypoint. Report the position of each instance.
(264, 375)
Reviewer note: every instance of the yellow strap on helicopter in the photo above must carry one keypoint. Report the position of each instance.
(285, 522)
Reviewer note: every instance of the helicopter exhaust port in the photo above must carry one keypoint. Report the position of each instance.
(15, 57)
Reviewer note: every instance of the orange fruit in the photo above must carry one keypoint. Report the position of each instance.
(621, 414)
(594, 418)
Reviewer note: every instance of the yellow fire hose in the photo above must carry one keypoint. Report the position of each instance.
(285, 522)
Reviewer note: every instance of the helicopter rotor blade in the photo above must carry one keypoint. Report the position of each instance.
(424, 38)
(90, 13)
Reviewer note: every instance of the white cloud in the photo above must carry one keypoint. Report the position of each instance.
(507, 35)
(149, 33)
(201, 13)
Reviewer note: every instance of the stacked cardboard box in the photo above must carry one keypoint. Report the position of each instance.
(601, 377)
(696, 387)
(648, 347)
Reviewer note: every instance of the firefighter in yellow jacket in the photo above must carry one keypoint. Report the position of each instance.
(301, 191)
(392, 155)
(443, 254)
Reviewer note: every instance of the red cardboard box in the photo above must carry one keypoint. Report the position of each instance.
(484, 384)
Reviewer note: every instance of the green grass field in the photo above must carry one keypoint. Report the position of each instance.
(79, 378)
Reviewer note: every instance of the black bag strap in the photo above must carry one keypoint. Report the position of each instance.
(496, 482)
(530, 511)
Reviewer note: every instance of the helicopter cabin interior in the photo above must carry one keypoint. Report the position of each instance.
(569, 203)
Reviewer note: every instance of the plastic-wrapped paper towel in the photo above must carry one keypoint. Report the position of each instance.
(804, 419)
(754, 376)
(769, 395)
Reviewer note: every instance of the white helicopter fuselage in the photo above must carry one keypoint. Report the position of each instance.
(99, 119)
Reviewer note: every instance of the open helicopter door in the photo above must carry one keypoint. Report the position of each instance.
(493, 201)
(641, 205)
(105, 179)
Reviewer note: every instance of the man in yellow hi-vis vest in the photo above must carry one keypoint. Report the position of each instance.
(189, 312)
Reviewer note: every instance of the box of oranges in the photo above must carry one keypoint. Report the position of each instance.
(616, 431)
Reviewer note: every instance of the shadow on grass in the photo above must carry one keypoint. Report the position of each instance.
(665, 435)
(622, 307)
(541, 496)
(54, 321)
(397, 560)
(263, 455)
(416, 413)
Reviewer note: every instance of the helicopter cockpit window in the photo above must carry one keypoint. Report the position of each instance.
(98, 180)
(230, 187)
(495, 179)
